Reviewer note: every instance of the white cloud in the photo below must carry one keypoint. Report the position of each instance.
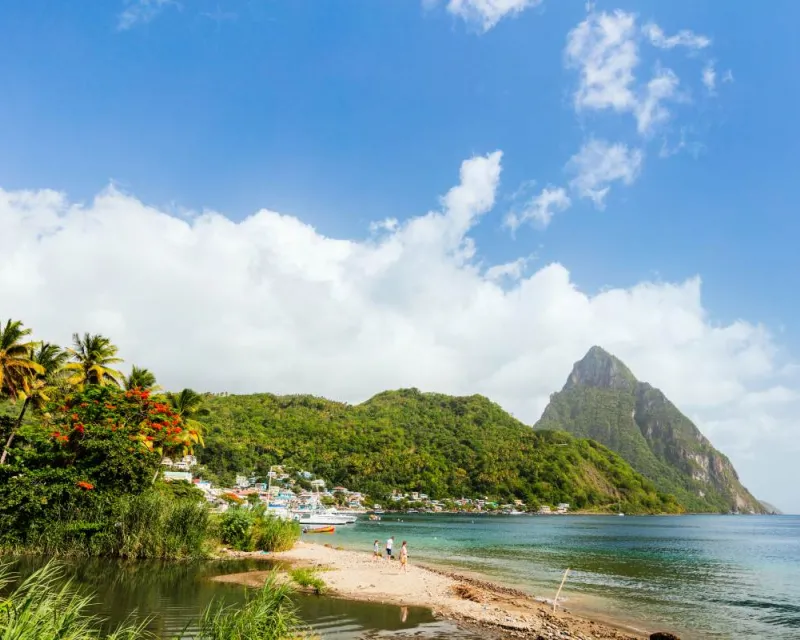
(710, 77)
(684, 38)
(650, 110)
(269, 304)
(487, 13)
(141, 12)
(598, 164)
(541, 208)
(603, 47)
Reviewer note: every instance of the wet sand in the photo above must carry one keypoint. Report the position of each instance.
(471, 602)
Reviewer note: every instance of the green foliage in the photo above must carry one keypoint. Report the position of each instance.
(251, 529)
(441, 445)
(603, 401)
(308, 579)
(268, 614)
(46, 606)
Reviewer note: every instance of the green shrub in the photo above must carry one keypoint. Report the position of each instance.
(247, 529)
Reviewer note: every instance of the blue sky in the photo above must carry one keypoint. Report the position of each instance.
(339, 112)
(343, 112)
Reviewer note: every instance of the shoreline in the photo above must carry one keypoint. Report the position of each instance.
(468, 601)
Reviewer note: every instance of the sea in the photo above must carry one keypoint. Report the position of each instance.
(700, 577)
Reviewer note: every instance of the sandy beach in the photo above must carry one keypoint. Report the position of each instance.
(470, 602)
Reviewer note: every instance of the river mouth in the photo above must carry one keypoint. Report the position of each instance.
(171, 596)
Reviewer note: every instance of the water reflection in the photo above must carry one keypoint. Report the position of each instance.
(171, 595)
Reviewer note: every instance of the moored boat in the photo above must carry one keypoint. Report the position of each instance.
(319, 530)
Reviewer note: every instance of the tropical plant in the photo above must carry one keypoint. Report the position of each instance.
(269, 614)
(50, 360)
(46, 606)
(93, 356)
(16, 367)
(140, 378)
(188, 404)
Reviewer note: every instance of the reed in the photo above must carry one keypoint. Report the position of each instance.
(268, 614)
(248, 529)
(46, 606)
(308, 579)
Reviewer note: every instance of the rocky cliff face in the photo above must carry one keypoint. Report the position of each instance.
(603, 400)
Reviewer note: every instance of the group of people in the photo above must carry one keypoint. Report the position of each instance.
(389, 555)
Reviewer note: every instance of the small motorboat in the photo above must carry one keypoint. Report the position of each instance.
(374, 517)
(319, 529)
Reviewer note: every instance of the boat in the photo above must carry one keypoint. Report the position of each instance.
(322, 516)
(319, 530)
(374, 517)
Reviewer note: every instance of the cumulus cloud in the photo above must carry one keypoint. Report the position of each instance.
(541, 208)
(684, 38)
(598, 164)
(269, 304)
(138, 12)
(487, 13)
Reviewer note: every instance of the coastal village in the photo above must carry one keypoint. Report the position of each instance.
(282, 490)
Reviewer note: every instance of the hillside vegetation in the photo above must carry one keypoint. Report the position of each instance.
(441, 445)
(603, 400)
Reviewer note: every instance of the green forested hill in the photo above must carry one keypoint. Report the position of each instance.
(441, 445)
(602, 400)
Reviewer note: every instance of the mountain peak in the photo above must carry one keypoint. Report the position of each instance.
(598, 368)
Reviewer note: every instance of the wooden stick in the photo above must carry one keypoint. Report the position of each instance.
(558, 593)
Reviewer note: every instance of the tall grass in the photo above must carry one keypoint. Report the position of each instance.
(148, 525)
(268, 614)
(46, 606)
(308, 579)
(155, 526)
(248, 529)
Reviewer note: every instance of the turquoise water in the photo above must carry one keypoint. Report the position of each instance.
(704, 576)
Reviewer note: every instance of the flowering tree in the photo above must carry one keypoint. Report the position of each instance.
(116, 438)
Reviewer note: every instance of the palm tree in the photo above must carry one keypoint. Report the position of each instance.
(92, 357)
(16, 367)
(49, 360)
(143, 379)
(188, 404)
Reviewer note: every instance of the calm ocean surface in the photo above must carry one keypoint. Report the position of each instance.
(703, 576)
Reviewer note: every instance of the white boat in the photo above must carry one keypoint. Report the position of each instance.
(322, 516)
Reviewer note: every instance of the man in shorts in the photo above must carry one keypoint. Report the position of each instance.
(389, 545)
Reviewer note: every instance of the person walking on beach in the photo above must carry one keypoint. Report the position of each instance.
(404, 557)
(376, 550)
(389, 545)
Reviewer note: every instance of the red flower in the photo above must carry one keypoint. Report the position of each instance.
(86, 486)
(80, 429)
(74, 416)
(55, 434)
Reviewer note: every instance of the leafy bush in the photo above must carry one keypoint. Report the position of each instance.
(250, 529)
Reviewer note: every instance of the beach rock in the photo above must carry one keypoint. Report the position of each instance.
(663, 635)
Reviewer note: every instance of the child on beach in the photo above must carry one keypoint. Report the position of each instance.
(404, 557)
(376, 550)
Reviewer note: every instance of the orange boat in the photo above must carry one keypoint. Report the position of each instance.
(319, 530)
